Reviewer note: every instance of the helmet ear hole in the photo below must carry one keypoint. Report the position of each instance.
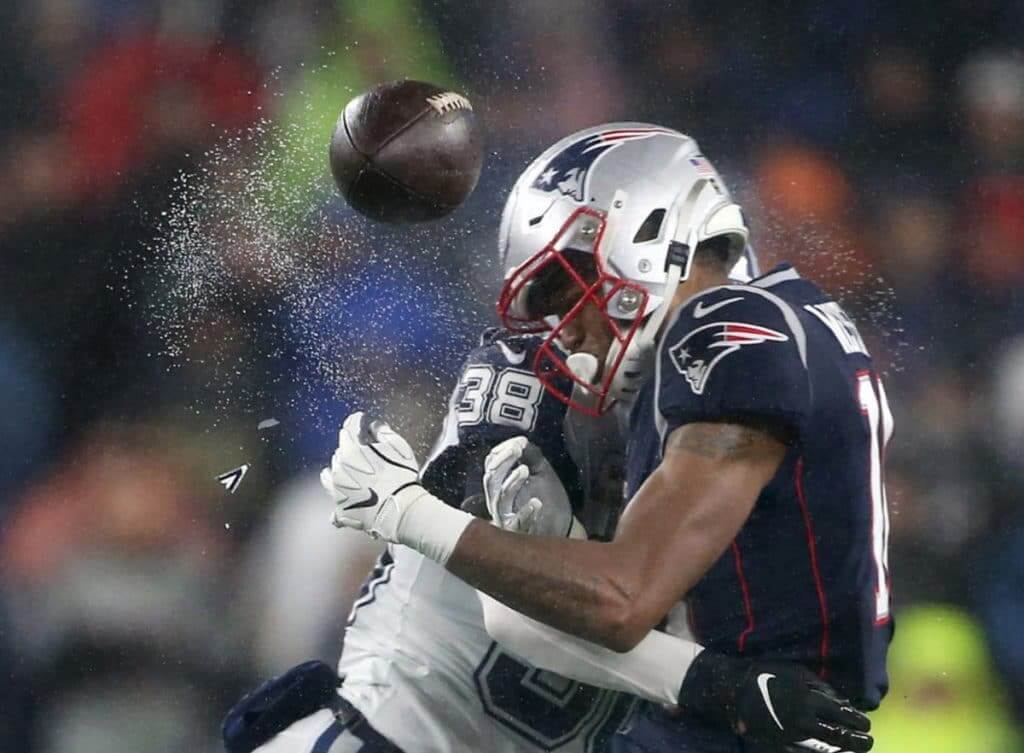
(650, 227)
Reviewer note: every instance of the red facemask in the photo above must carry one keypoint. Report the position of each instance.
(550, 364)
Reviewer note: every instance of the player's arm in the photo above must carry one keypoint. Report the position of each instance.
(654, 670)
(677, 524)
(675, 527)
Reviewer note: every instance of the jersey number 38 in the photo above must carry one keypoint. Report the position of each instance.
(511, 399)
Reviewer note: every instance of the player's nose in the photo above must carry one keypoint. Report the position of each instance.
(571, 336)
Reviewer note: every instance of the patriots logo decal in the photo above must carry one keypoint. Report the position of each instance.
(567, 171)
(697, 354)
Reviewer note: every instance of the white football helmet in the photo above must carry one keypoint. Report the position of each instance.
(639, 198)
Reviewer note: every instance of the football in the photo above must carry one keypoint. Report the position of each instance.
(406, 151)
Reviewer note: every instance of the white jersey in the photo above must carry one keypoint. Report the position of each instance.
(417, 660)
(422, 669)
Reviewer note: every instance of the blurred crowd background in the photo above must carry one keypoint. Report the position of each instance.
(175, 268)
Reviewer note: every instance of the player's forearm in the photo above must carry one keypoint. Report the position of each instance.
(580, 587)
(654, 670)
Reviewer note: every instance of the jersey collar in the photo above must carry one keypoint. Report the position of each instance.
(782, 273)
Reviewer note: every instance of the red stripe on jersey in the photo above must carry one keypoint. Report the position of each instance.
(812, 550)
(741, 642)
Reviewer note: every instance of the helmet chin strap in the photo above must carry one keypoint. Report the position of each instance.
(637, 362)
(638, 359)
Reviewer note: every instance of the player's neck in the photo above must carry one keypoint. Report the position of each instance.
(701, 278)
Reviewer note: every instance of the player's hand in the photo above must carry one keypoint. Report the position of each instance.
(523, 492)
(779, 704)
(370, 467)
(789, 703)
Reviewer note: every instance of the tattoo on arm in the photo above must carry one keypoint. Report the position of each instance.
(717, 441)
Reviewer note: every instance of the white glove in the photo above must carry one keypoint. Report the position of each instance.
(523, 492)
(373, 482)
(372, 463)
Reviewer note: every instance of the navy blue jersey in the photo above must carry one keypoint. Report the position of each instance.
(497, 397)
(806, 577)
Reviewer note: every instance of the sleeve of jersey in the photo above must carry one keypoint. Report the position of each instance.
(653, 670)
(733, 354)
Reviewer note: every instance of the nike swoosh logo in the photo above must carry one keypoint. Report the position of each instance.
(700, 310)
(510, 355)
(762, 684)
(368, 503)
(817, 745)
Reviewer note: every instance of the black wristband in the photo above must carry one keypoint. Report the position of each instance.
(710, 688)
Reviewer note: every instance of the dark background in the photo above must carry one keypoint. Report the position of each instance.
(175, 268)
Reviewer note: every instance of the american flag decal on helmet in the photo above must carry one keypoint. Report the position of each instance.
(704, 168)
(567, 171)
(700, 351)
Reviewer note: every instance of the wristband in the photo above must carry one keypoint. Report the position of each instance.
(710, 687)
(428, 524)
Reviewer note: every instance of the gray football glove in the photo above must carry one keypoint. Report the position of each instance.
(523, 492)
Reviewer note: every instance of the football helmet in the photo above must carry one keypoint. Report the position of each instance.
(637, 198)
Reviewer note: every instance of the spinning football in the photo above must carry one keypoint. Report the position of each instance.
(406, 151)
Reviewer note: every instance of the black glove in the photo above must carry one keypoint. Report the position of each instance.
(773, 703)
